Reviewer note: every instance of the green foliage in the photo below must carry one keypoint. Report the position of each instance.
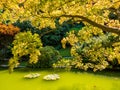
(26, 26)
(63, 64)
(49, 55)
(65, 52)
(94, 49)
(43, 13)
(5, 52)
(54, 38)
(25, 43)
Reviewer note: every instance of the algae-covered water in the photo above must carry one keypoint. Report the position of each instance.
(67, 81)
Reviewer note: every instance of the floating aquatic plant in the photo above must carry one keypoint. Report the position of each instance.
(51, 77)
(32, 75)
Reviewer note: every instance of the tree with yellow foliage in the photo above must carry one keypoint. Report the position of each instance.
(43, 12)
(91, 44)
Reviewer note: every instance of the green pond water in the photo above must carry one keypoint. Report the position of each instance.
(67, 81)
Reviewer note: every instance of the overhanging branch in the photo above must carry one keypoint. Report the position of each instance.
(103, 27)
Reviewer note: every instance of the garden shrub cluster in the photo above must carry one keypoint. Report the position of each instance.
(28, 44)
(93, 49)
(45, 22)
(55, 35)
(49, 55)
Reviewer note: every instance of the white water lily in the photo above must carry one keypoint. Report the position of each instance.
(51, 77)
(32, 75)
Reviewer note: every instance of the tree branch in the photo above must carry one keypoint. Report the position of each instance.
(46, 32)
(103, 27)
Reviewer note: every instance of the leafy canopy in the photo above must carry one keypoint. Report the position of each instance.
(43, 12)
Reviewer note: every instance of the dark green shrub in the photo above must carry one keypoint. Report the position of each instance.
(54, 38)
(26, 26)
(49, 55)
